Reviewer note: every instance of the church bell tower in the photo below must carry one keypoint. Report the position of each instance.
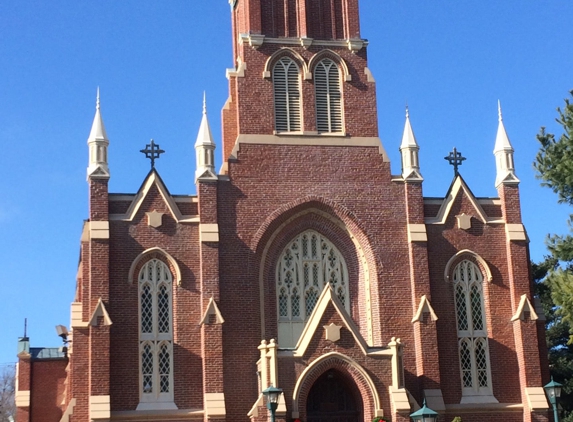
(300, 72)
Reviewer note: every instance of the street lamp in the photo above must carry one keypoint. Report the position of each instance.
(553, 391)
(425, 414)
(273, 395)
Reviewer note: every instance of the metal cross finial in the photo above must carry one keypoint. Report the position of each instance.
(455, 158)
(152, 151)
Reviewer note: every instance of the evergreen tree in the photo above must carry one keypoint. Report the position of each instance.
(554, 276)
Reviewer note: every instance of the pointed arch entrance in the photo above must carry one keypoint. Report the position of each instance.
(348, 376)
(334, 397)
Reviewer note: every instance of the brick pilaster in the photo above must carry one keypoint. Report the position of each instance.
(425, 332)
(211, 330)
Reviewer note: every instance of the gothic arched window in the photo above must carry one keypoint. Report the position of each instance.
(328, 95)
(472, 330)
(307, 264)
(155, 332)
(286, 83)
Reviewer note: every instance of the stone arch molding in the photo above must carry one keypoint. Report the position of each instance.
(145, 254)
(342, 363)
(279, 219)
(314, 60)
(299, 60)
(454, 260)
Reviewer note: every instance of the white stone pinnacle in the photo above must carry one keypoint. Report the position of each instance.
(409, 151)
(97, 144)
(503, 151)
(204, 148)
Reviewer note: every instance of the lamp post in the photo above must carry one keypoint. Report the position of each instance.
(273, 395)
(425, 414)
(553, 391)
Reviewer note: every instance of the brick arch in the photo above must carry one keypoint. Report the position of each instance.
(339, 226)
(347, 366)
(469, 255)
(281, 214)
(154, 253)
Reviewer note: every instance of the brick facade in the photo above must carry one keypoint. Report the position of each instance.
(399, 341)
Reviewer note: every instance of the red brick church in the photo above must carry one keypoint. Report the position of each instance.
(302, 263)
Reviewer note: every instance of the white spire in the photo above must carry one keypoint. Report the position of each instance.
(98, 143)
(204, 148)
(503, 152)
(409, 150)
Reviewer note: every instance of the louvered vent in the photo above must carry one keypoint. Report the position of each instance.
(328, 97)
(287, 95)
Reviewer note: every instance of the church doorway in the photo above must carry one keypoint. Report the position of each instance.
(334, 397)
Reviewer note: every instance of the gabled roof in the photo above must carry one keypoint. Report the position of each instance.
(459, 187)
(326, 298)
(153, 179)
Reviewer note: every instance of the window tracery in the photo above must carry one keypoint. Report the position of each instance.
(472, 329)
(307, 264)
(155, 332)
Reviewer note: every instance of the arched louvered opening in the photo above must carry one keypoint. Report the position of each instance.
(286, 82)
(328, 94)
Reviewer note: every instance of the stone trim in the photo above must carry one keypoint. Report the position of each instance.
(327, 53)
(484, 407)
(341, 362)
(254, 412)
(208, 232)
(159, 415)
(69, 411)
(266, 234)
(458, 186)
(354, 44)
(417, 233)
(327, 297)
(238, 72)
(154, 180)
(215, 405)
(399, 399)
(316, 140)
(98, 229)
(459, 256)
(22, 398)
(150, 251)
(76, 318)
(212, 309)
(515, 232)
(524, 306)
(296, 57)
(424, 307)
(100, 311)
(536, 399)
(99, 407)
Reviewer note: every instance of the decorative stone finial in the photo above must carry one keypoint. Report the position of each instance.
(98, 143)
(409, 150)
(205, 149)
(503, 152)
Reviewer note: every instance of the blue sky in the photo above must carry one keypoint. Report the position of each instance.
(450, 61)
